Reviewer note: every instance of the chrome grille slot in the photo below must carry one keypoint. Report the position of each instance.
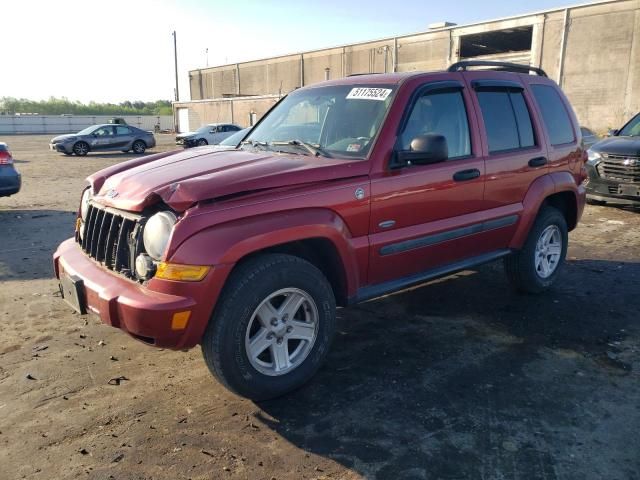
(621, 168)
(108, 237)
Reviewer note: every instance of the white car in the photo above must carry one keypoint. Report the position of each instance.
(211, 134)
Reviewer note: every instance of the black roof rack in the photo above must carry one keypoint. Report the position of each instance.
(360, 74)
(502, 66)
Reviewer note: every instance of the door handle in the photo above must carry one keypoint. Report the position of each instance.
(464, 175)
(538, 162)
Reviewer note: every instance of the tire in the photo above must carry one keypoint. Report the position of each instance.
(81, 148)
(237, 320)
(591, 201)
(525, 272)
(202, 142)
(67, 154)
(125, 151)
(139, 147)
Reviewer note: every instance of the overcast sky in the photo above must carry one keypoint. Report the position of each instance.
(119, 50)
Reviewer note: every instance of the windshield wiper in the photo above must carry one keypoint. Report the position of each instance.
(255, 143)
(312, 149)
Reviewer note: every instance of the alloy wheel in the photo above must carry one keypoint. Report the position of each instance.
(282, 331)
(548, 251)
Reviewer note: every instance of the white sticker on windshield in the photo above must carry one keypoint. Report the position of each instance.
(368, 93)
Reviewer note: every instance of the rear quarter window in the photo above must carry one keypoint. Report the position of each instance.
(554, 114)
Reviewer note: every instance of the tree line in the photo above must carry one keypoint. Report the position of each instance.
(61, 106)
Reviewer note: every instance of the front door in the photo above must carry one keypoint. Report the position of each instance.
(423, 216)
(103, 138)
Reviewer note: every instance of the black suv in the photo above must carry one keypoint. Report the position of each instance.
(614, 166)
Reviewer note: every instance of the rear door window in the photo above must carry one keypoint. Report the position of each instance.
(554, 115)
(506, 119)
(122, 130)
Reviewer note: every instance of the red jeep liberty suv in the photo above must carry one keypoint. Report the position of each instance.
(345, 191)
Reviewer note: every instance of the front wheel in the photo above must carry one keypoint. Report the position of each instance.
(81, 148)
(139, 146)
(272, 327)
(202, 142)
(534, 268)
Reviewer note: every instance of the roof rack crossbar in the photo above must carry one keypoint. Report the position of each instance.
(502, 66)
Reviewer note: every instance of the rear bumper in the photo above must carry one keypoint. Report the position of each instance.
(608, 190)
(143, 311)
(10, 181)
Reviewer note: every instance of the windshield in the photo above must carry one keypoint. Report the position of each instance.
(631, 129)
(205, 129)
(234, 140)
(339, 120)
(87, 130)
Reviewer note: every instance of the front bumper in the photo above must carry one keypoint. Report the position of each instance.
(61, 147)
(143, 311)
(10, 181)
(608, 190)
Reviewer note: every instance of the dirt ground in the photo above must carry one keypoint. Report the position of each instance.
(461, 379)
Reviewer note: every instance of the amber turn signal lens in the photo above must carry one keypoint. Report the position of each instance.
(179, 320)
(181, 273)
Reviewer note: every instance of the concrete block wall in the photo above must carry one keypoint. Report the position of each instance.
(601, 74)
(235, 110)
(594, 55)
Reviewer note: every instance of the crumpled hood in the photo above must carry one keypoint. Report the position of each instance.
(182, 178)
(619, 146)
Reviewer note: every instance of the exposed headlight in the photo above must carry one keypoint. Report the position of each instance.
(156, 234)
(84, 203)
(594, 157)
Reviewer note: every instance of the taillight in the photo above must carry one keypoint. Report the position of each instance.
(5, 158)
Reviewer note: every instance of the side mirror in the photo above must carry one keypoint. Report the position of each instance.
(613, 132)
(425, 149)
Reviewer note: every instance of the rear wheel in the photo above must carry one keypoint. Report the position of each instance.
(272, 327)
(81, 148)
(534, 268)
(202, 142)
(139, 146)
(591, 201)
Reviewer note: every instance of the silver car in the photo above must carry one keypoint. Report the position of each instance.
(211, 134)
(104, 138)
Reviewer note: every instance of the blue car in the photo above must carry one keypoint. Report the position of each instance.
(10, 180)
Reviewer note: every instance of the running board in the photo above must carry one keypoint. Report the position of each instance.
(380, 289)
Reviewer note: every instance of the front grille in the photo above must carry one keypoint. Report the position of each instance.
(620, 168)
(112, 237)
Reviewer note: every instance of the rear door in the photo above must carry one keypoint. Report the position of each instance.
(515, 147)
(124, 137)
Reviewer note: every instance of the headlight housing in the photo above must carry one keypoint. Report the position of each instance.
(156, 234)
(84, 203)
(593, 157)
